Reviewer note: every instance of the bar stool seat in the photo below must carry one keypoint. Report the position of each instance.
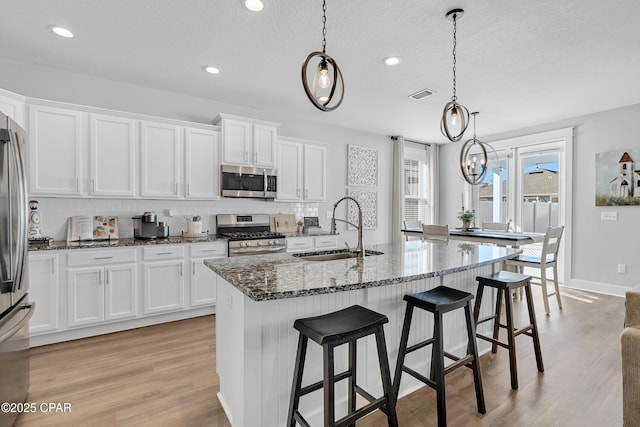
(331, 330)
(506, 282)
(438, 301)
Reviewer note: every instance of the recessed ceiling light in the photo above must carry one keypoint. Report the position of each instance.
(392, 60)
(254, 5)
(211, 69)
(61, 31)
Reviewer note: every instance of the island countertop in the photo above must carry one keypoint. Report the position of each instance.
(285, 275)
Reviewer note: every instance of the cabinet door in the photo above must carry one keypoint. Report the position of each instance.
(202, 167)
(55, 151)
(85, 295)
(203, 284)
(315, 171)
(290, 171)
(112, 144)
(236, 142)
(160, 160)
(299, 244)
(163, 286)
(265, 139)
(43, 289)
(14, 106)
(121, 292)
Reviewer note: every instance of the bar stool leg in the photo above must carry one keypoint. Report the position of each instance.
(297, 379)
(496, 322)
(404, 338)
(329, 387)
(511, 340)
(387, 389)
(476, 307)
(352, 378)
(437, 360)
(534, 331)
(475, 364)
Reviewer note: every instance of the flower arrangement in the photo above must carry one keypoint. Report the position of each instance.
(466, 216)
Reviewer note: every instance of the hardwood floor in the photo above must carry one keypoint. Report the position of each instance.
(165, 376)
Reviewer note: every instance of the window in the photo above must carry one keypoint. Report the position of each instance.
(417, 183)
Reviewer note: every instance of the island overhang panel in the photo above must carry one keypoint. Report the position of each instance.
(259, 298)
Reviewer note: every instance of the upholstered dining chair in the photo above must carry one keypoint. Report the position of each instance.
(495, 226)
(547, 259)
(435, 232)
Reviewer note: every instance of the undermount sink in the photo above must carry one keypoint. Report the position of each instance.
(331, 256)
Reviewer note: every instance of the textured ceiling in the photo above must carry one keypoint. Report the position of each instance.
(520, 63)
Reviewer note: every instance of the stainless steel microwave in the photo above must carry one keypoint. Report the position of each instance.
(247, 181)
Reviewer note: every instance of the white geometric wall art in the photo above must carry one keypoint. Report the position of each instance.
(362, 166)
(368, 203)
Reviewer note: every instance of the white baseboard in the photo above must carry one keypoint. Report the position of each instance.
(601, 288)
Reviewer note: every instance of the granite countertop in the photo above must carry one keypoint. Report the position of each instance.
(284, 275)
(172, 240)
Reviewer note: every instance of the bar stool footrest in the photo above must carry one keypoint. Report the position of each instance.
(318, 385)
(419, 346)
(300, 419)
(366, 409)
(419, 376)
(491, 340)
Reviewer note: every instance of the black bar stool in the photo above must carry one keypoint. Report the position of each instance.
(438, 301)
(506, 282)
(331, 330)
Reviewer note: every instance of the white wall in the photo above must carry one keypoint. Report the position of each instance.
(598, 246)
(39, 82)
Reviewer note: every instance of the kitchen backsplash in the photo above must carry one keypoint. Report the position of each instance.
(54, 212)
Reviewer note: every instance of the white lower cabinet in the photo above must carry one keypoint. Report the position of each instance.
(97, 294)
(43, 289)
(85, 292)
(203, 280)
(163, 281)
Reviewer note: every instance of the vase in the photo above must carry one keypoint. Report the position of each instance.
(466, 224)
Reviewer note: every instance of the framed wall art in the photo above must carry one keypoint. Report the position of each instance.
(368, 203)
(618, 178)
(362, 166)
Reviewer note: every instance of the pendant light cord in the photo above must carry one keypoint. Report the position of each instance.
(324, 26)
(453, 98)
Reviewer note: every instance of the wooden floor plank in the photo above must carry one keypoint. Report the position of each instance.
(164, 375)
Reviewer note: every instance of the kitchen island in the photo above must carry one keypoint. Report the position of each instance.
(260, 297)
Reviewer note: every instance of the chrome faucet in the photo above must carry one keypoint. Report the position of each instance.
(360, 248)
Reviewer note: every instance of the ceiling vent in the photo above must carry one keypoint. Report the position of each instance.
(421, 94)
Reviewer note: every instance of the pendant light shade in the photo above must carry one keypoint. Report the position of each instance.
(321, 76)
(455, 117)
(474, 158)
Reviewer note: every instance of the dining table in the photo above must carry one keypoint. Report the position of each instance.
(501, 238)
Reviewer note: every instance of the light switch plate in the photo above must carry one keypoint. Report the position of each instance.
(609, 216)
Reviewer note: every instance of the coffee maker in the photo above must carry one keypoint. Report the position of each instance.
(145, 226)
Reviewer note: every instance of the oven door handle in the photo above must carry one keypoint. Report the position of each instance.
(20, 324)
(266, 181)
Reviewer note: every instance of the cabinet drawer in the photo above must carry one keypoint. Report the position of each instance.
(299, 243)
(163, 252)
(325, 242)
(205, 250)
(111, 256)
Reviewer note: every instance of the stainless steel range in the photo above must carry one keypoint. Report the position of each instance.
(249, 234)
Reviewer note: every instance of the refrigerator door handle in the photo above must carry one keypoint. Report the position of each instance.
(22, 212)
(20, 324)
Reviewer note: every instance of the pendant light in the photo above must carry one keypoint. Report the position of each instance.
(455, 117)
(326, 89)
(473, 157)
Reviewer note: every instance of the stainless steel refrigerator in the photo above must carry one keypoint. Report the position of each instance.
(15, 307)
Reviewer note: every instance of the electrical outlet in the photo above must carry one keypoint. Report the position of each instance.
(622, 268)
(609, 216)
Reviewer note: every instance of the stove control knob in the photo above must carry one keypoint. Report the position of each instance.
(260, 242)
(243, 244)
(272, 242)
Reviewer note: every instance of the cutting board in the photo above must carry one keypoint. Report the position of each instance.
(284, 223)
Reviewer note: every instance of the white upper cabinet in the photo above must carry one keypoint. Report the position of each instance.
(247, 141)
(14, 106)
(315, 173)
(55, 151)
(290, 170)
(201, 166)
(112, 145)
(160, 160)
(302, 169)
